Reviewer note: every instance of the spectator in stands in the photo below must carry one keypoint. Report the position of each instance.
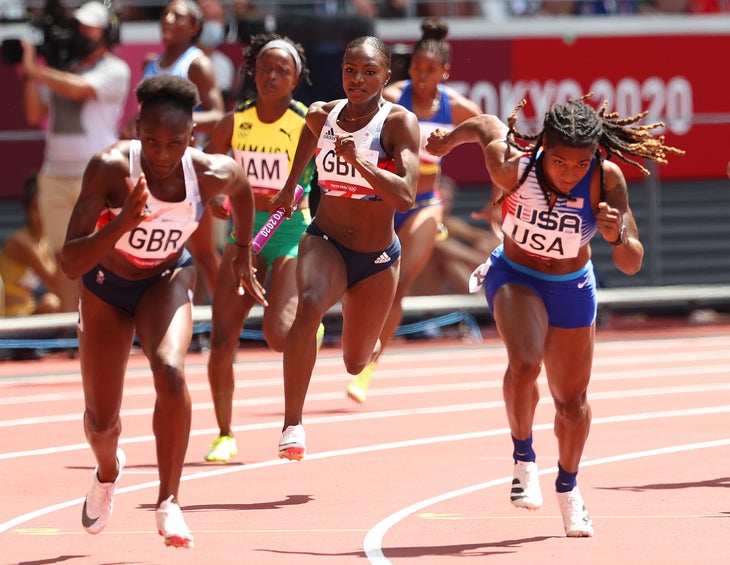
(83, 105)
(435, 105)
(134, 193)
(396, 9)
(212, 35)
(539, 284)
(606, 7)
(274, 123)
(665, 6)
(366, 151)
(460, 248)
(181, 25)
(449, 9)
(27, 264)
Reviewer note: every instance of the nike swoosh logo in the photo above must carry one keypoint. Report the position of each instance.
(85, 520)
(581, 284)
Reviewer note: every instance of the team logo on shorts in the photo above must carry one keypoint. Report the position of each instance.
(383, 258)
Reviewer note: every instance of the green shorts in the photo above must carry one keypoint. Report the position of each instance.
(284, 242)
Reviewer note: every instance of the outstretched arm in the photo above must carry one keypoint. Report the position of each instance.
(105, 173)
(482, 129)
(500, 159)
(400, 138)
(316, 116)
(236, 186)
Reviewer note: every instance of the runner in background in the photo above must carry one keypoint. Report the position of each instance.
(262, 134)
(435, 105)
(181, 24)
(367, 164)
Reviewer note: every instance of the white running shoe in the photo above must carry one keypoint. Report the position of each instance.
(292, 443)
(577, 521)
(171, 525)
(99, 503)
(526, 486)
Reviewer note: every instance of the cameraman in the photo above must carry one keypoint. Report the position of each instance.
(83, 106)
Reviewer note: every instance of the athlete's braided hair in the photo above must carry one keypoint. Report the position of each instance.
(253, 49)
(576, 124)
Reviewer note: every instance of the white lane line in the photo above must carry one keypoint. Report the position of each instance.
(450, 408)
(373, 542)
(18, 520)
(390, 391)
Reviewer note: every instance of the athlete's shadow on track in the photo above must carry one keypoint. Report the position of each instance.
(723, 482)
(59, 559)
(463, 550)
(291, 500)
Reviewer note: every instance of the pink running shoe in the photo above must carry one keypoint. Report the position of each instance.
(99, 503)
(292, 443)
(171, 525)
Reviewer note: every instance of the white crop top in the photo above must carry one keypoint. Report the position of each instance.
(336, 177)
(169, 225)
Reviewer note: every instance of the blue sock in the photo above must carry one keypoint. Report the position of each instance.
(565, 481)
(523, 449)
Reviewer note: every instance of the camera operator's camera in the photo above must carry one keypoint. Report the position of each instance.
(61, 39)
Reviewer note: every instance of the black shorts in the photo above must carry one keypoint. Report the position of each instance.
(124, 293)
(358, 265)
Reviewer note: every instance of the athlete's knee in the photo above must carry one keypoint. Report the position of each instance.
(524, 369)
(355, 366)
(310, 305)
(169, 379)
(356, 362)
(99, 428)
(276, 340)
(573, 409)
(223, 342)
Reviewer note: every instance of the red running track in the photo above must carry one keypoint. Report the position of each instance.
(421, 471)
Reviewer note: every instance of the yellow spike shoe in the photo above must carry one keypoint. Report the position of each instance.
(358, 387)
(320, 336)
(222, 449)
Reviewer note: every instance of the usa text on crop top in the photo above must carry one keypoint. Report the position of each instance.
(168, 225)
(549, 234)
(336, 177)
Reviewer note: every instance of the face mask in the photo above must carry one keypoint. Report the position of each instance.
(83, 46)
(212, 34)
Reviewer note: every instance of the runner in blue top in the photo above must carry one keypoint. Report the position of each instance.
(555, 194)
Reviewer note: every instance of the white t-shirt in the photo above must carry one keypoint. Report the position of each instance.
(77, 129)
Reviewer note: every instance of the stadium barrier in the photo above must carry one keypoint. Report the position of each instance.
(52, 331)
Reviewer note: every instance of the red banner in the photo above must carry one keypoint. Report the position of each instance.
(666, 75)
